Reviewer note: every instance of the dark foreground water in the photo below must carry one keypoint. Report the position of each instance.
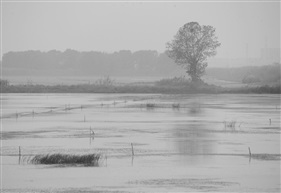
(182, 143)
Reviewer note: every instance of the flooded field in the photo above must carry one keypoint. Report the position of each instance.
(153, 143)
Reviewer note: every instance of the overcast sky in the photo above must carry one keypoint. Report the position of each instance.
(109, 27)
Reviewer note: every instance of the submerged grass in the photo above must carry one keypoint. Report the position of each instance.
(266, 157)
(88, 159)
(230, 124)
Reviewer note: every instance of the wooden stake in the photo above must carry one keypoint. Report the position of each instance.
(250, 154)
(90, 136)
(269, 121)
(132, 161)
(19, 154)
(132, 149)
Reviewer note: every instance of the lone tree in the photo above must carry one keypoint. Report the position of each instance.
(191, 47)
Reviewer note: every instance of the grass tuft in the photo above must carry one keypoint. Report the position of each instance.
(150, 105)
(88, 159)
(176, 105)
(230, 124)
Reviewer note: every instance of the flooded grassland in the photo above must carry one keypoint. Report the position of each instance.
(153, 143)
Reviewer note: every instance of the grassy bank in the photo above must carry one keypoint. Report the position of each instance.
(265, 89)
(165, 86)
(109, 89)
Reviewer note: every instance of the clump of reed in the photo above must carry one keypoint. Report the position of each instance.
(105, 81)
(176, 105)
(88, 159)
(172, 82)
(230, 124)
(150, 105)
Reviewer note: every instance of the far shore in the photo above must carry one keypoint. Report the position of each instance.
(164, 87)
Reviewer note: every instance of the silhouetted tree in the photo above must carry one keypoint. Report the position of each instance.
(191, 47)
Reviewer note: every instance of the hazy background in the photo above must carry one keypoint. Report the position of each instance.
(118, 26)
(249, 32)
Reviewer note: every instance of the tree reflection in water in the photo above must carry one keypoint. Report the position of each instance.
(193, 139)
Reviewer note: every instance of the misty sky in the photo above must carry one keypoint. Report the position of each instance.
(109, 27)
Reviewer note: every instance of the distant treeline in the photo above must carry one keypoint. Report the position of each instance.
(125, 63)
(249, 74)
(71, 62)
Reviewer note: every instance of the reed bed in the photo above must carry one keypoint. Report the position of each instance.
(88, 159)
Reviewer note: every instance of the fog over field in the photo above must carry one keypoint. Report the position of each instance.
(140, 96)
(73, 67)
(244, 29)
(53, 39)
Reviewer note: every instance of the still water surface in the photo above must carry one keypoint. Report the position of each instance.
(182, 143)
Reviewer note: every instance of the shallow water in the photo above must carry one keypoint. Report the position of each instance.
(203, 145)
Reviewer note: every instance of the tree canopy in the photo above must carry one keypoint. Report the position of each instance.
(191, 47)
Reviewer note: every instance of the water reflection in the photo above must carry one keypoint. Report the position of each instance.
(195, 109)
(193, 139)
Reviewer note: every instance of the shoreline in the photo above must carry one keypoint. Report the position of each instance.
(202, 88)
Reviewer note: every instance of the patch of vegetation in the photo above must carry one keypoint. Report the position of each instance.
(4, 83)
(105, 81)
(150, 105)
(266, 74)
(230, 124)
(207, 184)
(265, 89)
(166, 86)
(176, 105)
(266, 157)
(176, 81)
(88, 159)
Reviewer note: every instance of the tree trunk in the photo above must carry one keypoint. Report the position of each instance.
(193, 73)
